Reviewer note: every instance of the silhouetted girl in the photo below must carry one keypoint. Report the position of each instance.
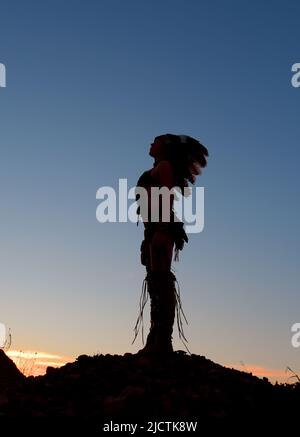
(178, 160)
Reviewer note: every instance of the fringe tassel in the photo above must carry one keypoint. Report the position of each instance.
(179, 313)
(143, 301)
(178, 309)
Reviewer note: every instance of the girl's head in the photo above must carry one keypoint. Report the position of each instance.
(187, 155)
(157, 148)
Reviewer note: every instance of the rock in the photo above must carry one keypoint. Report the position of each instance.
(9, 373)
(82, 358)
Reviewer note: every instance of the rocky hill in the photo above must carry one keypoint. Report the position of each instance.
(100, 388)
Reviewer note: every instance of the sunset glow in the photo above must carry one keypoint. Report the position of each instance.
(279, 375)
(36, 363)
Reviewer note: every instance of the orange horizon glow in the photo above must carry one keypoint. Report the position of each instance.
(36, 363)
(279, 375)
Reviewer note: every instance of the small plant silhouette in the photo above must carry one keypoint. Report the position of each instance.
(294, 374)
(25, 364)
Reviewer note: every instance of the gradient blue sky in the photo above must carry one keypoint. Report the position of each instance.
(89, 84)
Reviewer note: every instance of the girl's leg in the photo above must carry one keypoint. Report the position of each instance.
(161, 252)
(161, 288)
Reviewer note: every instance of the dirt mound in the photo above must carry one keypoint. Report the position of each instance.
(131, 387)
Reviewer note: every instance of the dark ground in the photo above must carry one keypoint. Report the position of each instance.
(129, 388)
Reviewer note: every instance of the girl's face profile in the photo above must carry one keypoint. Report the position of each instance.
(156, 148)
